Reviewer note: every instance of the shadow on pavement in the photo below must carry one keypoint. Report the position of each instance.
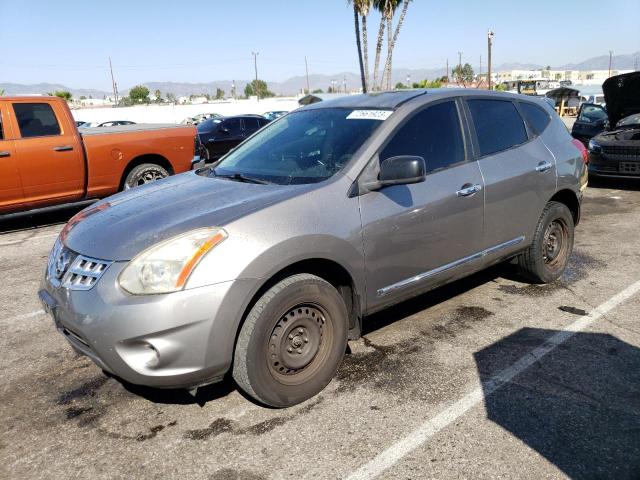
(578, 406)
(30, 221)
(632, 184)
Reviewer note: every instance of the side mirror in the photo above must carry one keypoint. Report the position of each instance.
(401, 170)
(224, 131)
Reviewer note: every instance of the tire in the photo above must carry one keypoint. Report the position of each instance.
(143, 174)
(292, 341)
(548, 255)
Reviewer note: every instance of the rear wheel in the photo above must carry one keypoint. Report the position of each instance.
(143, 174)
(548, 255)
(292, 341)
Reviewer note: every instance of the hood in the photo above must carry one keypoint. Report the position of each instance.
(123, 225)
(622, 95)
(620, 136)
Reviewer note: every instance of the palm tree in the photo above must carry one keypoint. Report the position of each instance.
(364, 7)
(359, 46)
(381, 6)
(392, 40)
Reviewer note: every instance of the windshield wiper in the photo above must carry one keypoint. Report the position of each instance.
(239, 177)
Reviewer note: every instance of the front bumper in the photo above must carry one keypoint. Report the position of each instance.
(177, 340)
(603, 164)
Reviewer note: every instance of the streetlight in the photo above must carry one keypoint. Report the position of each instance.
(489, 45)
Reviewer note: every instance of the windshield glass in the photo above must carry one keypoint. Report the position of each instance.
(592, 114)
(630, 120)
(308, 146)
(208, 126)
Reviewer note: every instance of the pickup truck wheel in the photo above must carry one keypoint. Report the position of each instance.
(291, 342)
(145, 173)
(546, 258)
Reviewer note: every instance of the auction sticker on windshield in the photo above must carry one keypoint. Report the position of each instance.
(369, 115)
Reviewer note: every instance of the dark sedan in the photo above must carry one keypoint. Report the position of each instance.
(219, 135)
(616, 151)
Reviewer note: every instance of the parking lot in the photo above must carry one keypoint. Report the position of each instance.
(490, 377)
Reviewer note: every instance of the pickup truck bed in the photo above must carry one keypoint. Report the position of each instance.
(45, 160)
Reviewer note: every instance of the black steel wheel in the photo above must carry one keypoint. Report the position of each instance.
(292, 341)
(548, 255)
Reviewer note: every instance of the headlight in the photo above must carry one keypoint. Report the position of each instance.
(166, 267)
(594, 146)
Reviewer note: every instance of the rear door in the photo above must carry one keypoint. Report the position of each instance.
(518, 170)
(419, 235)
(11, 195)
(50, 160)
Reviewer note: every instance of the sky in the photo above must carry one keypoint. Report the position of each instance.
(69, 41)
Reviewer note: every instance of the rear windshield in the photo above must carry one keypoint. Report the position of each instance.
(303, 147)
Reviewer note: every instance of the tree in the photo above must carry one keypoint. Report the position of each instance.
(318, 90)
(219, 94)
(400, 86)
(171, 97)
(463, 75)
(362, 7)
(82, 97)
(139, 94)
(392, 40)
(259, 86)
(62, 94)
(158, 95)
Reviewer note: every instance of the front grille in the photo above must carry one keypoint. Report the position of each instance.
(75, 272)
(629, 167)
(620, 153)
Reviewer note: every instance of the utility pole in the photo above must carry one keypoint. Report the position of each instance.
(480, 72)
(635, 64)
(610, 61)
(113, 84)
(306, 68)
(344, 83)
(489, 45)
(255, 66)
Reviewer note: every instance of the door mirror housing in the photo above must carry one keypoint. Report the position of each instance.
(400, 170)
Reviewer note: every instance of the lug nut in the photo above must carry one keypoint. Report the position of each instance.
(306, 340)
(291, 336)
(289, 349)
(299, 350)
(300, 330)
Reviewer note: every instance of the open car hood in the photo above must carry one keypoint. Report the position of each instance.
(622, 94)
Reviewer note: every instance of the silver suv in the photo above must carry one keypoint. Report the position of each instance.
(266, 263)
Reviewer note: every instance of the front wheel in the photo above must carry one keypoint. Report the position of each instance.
(548, 255)
(292, 341)
(143, 174)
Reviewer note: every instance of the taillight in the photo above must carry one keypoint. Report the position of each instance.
(580, 146)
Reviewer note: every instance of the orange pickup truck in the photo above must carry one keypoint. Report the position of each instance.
(46, 161)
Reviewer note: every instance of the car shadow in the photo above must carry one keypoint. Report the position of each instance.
(631, 184)
(578, 406)
(29, 221)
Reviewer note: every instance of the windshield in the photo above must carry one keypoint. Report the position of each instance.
(307, 146)
(630, 120)
(208, 126)
(592, 114)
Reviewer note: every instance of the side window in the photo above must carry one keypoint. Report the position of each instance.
(535, 116)
(434, 134)
(251, 124)
(36, 120)
(498, 125)
(263, 121)
(233, 125)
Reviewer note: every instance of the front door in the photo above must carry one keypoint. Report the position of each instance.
(49, 159)
(592, 120)
(417, 236)
(11, 195)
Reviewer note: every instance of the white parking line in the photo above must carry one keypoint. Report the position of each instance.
(406, 445)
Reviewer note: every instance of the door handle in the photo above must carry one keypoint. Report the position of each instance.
(543, 167)
(468, 190)
(5, 154)
(63, 148)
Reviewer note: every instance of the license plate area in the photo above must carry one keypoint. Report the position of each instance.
(629, 167)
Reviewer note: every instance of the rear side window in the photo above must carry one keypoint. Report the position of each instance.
(536, 117)
(434, 134)
(36, 120)
(498, 125)
(251, 124)
(233, 125)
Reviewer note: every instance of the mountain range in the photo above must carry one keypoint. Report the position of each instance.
(293, 85)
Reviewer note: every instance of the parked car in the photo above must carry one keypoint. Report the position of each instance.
(219, 135)
(115, 123)
(197, 119)
(266, 263)
(46, 161)
(591, 120)
(274, 114)
(615, 150)
(79, 123)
